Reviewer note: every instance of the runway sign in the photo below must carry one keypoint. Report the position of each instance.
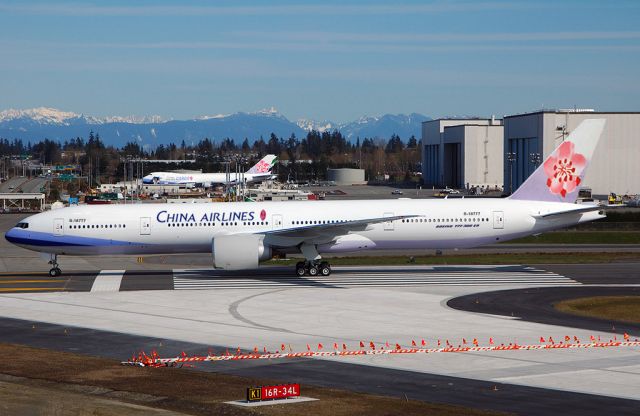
(276, 392)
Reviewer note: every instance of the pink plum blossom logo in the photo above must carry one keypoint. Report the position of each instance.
(263, 215)
(563, 169)
(262, 167)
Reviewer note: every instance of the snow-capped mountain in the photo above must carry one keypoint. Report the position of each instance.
(321, 126)
(384, 126)
(133, 119)
(44, 115)
(47, 115)
(40, 123)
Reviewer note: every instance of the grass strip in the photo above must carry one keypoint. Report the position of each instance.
(581, 237)
(201, 393)
(468, 259)
(617, 308)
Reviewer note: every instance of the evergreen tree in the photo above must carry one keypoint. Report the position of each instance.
(245, 146)
(394, 145)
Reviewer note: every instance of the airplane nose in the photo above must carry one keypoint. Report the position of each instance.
(13, 235)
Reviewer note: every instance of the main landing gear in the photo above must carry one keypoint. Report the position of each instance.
(312, 265)
(313, 268)
(55, 270)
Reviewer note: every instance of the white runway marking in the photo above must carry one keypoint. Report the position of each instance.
(108, 281)
(376, 277)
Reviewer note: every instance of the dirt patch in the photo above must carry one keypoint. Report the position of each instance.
(42, 372)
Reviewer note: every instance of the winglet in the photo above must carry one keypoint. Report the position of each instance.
(264, 165)
(558, 179)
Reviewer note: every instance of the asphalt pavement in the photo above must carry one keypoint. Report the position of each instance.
(479, 394)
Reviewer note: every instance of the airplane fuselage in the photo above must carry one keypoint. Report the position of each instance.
(208, 179)
(191, 228)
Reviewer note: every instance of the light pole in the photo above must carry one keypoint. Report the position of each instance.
(511, 157)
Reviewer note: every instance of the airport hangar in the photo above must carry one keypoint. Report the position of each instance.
(471, 152)
(460, 152)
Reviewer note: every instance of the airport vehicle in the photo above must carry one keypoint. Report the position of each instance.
(259, 172)
(614, 199)
(240, 235)
(396, 192)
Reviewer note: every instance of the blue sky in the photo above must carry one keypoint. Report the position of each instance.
(335, 60)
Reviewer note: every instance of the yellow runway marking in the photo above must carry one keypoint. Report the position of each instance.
(18, 289)
(6, 282)
(39, 272)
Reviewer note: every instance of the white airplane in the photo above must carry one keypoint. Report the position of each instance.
(242, 234)
(259, 172)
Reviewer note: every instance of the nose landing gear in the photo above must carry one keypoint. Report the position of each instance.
(55, 270)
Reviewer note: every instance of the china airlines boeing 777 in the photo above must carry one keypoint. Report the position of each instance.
(261, 171)
(240, 235)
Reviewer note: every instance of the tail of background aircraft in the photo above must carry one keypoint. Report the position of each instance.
(558, 179)
(265, 165)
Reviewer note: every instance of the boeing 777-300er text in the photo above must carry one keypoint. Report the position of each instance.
(261, 171)
(242, 234)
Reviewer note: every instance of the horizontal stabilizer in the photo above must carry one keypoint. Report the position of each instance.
(580, 209)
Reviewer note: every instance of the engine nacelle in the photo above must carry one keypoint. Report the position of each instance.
(239, 252)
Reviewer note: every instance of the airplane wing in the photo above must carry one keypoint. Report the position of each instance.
(579, 210)
(319, 233)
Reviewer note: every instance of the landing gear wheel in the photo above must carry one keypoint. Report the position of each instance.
(325, 269)
(55, 270)
(300, 269)
(313, 270)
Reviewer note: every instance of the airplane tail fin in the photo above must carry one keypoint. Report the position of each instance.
(558, 179)
(265, 165)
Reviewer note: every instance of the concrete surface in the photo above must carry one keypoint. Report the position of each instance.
(393, 304)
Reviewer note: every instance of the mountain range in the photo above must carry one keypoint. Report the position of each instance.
(40, 123)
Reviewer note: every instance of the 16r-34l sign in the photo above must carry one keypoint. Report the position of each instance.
(280, 391)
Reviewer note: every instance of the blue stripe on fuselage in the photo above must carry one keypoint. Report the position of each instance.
(36, 238)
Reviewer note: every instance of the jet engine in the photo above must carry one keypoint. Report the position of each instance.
(239, 251)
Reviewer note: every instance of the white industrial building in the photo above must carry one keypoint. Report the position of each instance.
(462, 153)
(530, 138)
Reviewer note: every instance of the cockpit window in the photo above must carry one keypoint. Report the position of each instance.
(22, 225)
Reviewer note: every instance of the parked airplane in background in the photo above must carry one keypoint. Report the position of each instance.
(241, 234)
(259, 172)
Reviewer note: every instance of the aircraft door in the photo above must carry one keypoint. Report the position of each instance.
(145, 226)
(276, 221)
(498, 220)
(388, 225)
(58, 226)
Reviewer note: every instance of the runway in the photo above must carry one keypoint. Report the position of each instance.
(281, 277)
(342, 277)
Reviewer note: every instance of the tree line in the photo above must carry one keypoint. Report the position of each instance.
(303, 159)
